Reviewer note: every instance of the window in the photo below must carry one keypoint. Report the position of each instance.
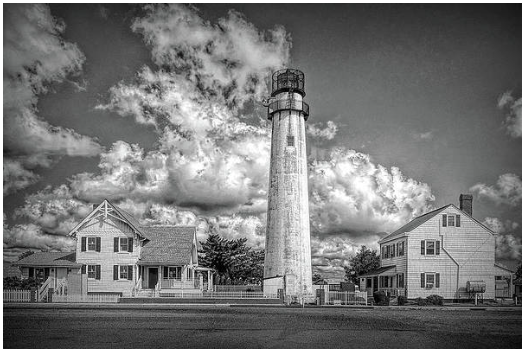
(429, 280)
(430, 247)
(122, 272)
(123, 244)
(90, 244)
(451, 220)
(93, 272)
(290, 141)
(499, 278)
(401, 280)
(172, 272)
(401, 248)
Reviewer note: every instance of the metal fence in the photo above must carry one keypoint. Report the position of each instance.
(17, 296)
(347, 298)
(91, 298)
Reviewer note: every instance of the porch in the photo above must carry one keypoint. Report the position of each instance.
(385, 279)
(165, 280)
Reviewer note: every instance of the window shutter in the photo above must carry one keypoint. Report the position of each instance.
(98, 244)
(458, 220)
(437, 279)
(437, 247)
(115, 244)
(84, 269)
(130, 244)
(444, 220)
(83, 244)
(115, 272)
(393, 250)
(130, 272)
(166, 272)
(97, 272)
(422, 280)
(423, 247)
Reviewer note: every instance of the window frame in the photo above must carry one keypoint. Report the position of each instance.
(120, 272)
(427, 249)
(89, 272)
(451, 220)
(94, 239)
(433, 283)
(436, 244)
(121, 241)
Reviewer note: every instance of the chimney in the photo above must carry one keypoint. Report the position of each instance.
(465, 203)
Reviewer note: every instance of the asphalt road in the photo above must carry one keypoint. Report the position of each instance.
(252, 327)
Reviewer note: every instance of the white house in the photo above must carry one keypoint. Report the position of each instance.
(442, 252)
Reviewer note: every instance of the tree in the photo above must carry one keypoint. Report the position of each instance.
(234, 261)
(316, 277)
(25, 254)
(518, 273)
(363, 262)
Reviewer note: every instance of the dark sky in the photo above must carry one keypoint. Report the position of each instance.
(433, 91)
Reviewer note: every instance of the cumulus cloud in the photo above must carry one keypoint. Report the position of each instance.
(512, 108)
(31, 236)
(351, 194)
(328, 132)
(35, 56)
(507, 190)
(423, 136)
(508, 245)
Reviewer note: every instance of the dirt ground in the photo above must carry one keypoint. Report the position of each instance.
(264, 327)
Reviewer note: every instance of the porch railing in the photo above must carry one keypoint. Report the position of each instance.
(393, 292)
(180, 283)
(43, 291)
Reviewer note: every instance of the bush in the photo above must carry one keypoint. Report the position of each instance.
(435, 300)
(421, 301)
(381, 299)
(401, 300)
(15, 283)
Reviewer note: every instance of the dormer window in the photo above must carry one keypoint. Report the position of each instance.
(290, 141)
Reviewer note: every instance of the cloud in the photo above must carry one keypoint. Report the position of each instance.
(35, 56)
(350, 194)
(424, 136)
(508, 245)
(229, 60)
(324, 133)
(31, 236)
(512, 108)
(507, 190)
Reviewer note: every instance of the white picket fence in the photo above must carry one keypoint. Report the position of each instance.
(239, 294)
(91, 298)
(17, 296)
(347, 298)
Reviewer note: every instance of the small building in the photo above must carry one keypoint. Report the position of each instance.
(443, 252)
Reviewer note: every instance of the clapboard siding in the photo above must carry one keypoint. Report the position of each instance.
(399, 261)
(107, 229)
(466, 254)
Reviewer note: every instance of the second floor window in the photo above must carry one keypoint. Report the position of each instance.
(90, 244)
(123, 244)
(430, 247)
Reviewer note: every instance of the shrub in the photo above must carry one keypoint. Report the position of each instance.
(421, 301)
(381, 299)
(401, 300)
(435, 300)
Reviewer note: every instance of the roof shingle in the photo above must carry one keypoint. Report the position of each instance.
(167, 245)
(49, 259)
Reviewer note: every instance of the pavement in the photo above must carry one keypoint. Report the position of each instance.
(269, 306)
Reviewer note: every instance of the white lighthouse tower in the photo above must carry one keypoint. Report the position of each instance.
(288, 259)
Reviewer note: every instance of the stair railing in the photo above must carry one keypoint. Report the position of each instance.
(44, 289)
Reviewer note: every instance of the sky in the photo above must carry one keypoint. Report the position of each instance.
(158, 109)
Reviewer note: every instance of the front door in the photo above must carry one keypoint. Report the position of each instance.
(153, 277)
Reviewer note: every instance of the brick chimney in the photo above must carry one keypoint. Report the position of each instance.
(465, 203)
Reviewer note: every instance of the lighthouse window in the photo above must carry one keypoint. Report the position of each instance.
(290, 141)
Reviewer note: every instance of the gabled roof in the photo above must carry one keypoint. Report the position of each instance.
(113, 211)
(49, 259)
(378, 271)
(501, 266)
(170, 245)
(414, 223)
(420, 220)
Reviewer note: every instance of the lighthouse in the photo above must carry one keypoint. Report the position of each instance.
(287, 263)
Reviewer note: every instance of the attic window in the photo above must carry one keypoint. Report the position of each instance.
(453, 220)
